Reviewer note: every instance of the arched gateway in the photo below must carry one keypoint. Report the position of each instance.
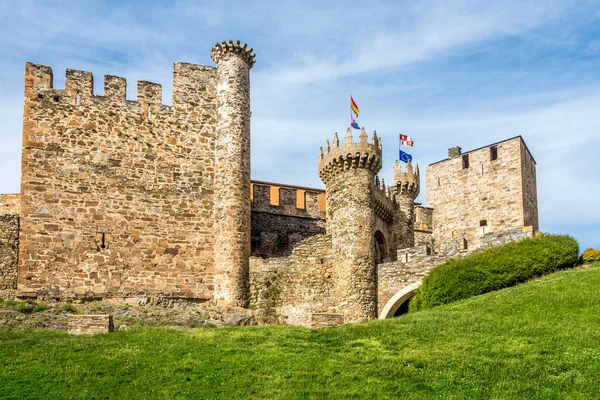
(393, 304)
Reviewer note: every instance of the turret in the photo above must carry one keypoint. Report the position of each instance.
(405, 190)
(348, 171)
(232, 173)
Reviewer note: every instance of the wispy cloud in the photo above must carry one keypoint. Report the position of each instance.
(448, 72)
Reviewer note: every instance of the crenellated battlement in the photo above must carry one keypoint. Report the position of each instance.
(222, 49)
(384, 202)
(293, 201)
(193, 85)
(350, 155)
(407, 182)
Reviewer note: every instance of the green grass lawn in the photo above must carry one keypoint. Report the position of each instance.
(536, 340)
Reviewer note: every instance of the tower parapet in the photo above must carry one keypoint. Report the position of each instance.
(350, 155)
(407, 182)
(405, 190)
(348, 171)
(223, 50)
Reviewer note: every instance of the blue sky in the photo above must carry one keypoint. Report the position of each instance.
(446, 73)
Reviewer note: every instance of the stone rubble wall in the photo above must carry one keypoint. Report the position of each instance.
(89, 324)
(117, 194)
(297, 286)
(283, 216)
(530, 203)
(10, 207)
(415, 263)
(490, 190)
(423, 237)
(423, 218)
(232, 176)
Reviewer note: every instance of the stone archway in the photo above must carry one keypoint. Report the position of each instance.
(381, 247)
(393, 304)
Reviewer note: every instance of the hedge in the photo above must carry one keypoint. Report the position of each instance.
(495, 268)
(591, 255)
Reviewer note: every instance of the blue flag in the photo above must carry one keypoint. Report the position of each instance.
(354, 125)
(405, 157)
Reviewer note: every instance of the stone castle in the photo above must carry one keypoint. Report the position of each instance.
(139, 201)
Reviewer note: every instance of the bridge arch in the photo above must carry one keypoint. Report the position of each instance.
(398, 299)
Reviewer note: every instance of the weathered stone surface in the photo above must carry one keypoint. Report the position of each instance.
(140, 204)
(110, 184)
(89, 324)
(9, 242)
(500, 193)
(232, 174)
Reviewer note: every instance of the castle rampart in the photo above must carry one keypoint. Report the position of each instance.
(137, 201)
(283, 216)
(117, 194)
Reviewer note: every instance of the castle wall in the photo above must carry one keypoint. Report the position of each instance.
(117, 195)
(282, 216)
(530, 205)
(294, 288)
(415, 263)
(487, 190)
(9, 240)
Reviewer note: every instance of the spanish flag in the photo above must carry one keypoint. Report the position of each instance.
(353, 106)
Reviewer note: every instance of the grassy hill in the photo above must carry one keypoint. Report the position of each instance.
(536, 340)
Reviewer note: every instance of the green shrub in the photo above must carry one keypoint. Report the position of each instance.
(69, 308)
(591, 255)
(494, 269)
(39, 307)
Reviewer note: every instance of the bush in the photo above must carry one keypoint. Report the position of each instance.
(494, 269)
(590, 255)
(29, 306)
(69, 308)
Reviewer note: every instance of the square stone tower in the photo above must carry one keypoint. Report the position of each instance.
(490, 189)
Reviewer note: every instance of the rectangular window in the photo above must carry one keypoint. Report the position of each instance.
(465, 161)
(483, 227)
(493, 153)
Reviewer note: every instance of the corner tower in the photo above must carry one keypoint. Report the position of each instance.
(232, 172)
(406, 189)
(348, 172)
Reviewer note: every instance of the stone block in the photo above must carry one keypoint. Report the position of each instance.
(89, 324)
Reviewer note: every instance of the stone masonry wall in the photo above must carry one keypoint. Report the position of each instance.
(117, 194)
(9, 240)
(487, 190)
(297, 286)
(530, 205)
(89, 324)
(232, 174)
(415, 263)
(283, 216)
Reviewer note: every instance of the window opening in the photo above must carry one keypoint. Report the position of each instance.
(465, 161)
(493, 153)
(149, 113)
(77, 99)
(465, 244)
(483, 226)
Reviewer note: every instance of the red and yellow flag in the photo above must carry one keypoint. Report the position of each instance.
(353, 106)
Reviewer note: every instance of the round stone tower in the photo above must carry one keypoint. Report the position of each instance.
(348, 172)
(232, 173)
(406, 189)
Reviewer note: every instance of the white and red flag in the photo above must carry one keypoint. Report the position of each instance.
(406, 140)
